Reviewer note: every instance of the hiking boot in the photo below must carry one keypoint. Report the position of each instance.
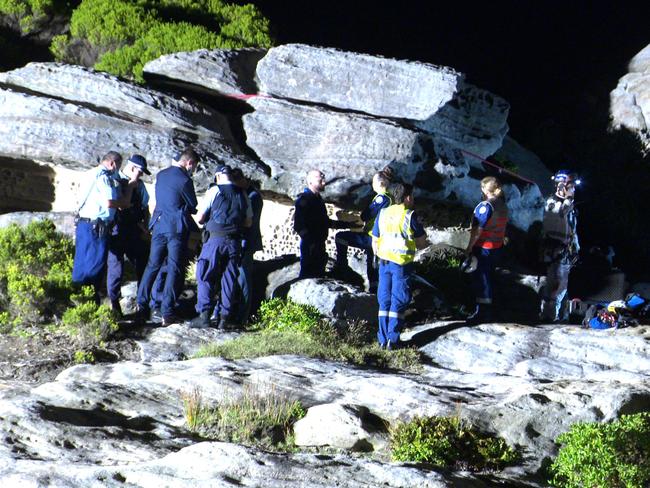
(156, 316)
(200, 322)
(481, 315)
(226, 324)
(117, 309)
(168, 320)
(141, 316)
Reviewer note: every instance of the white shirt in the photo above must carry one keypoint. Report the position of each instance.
(100, 187)
(206, 203)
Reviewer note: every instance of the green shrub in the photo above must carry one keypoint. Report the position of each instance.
(448, 442)
(255, 417)
(284, 315)
(126, 34)
(604, 455)
(89, 323)
(162, 38)
(32, 12)
(442, 270)
(35, 271)
(84, 357)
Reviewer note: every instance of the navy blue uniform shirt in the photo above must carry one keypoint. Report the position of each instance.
(175, 202)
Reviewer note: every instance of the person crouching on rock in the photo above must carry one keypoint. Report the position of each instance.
(396, 235)
(485, 242)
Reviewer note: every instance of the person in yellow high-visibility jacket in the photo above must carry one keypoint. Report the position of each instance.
(396, 235)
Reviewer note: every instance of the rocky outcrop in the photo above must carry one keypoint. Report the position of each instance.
(630, 100)
(388, 88)
(230, 73)
(125, 421)
(346, 113)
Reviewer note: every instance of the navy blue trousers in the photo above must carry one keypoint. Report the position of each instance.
(245, 282)
(219, 259)
(363, 241)
(394, 296)
(483, 277)
(313, 258)
(172, 247)
(127, 243)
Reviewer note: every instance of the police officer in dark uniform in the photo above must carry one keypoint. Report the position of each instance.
(129, 236)
(312, 224)
(228, 216)
(95, 218)
(170, 224)
(250, 245)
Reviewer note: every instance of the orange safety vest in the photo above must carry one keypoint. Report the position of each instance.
(492, 235)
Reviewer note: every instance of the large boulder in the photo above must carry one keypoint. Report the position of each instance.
(348, 427)
(630, 100)
(227, 72)
(335, 299)
(357, 82)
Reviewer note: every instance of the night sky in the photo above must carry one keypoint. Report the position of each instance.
(541, 57)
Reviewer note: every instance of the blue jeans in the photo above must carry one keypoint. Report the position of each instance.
(172, 247)
(394, 296)
(219, 259)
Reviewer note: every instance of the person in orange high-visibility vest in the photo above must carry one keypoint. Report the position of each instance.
(485, 242)
(396, 235)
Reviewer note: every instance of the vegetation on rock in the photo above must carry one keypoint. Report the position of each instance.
(255, 417)
(285, 327)
(448, 442)
(604, 455)
(126, 34)
(36, 286)
(30, 13)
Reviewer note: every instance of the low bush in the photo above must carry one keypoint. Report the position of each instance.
(290, 328)
(32, 12)
(36, 286)
(286, 315)
(604, 455)
(442, 270)
(448, 442)
(258, 417)
(126, 34)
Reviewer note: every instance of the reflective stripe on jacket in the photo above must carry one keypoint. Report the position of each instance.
(492, 235)
(396, 242)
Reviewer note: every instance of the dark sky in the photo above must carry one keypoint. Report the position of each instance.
(540, 56)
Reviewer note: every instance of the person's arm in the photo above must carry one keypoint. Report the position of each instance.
(299, 216)
(248, 221)
(482, 214)
(206, 204)
(375, 236)
(419, 234)
(189, 197)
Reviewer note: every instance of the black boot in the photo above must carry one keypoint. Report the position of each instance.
(200, 322)
(481, 315)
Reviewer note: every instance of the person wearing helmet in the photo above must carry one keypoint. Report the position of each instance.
(486, 239)
(560, 245)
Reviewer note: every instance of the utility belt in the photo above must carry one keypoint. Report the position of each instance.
(207, 235)
(100, 228)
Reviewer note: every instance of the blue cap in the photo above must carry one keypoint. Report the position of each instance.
(140, 162)
(224, 170)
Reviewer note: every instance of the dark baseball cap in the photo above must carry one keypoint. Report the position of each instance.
(140, 162)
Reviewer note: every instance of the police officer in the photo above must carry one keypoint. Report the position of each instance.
(363, 240)
(560, 244)
(251, 243)
(486, 239)
(396, 235)
(312, 224)
(226, 218)
(170, 224)
(129, 236)
(96, 215)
